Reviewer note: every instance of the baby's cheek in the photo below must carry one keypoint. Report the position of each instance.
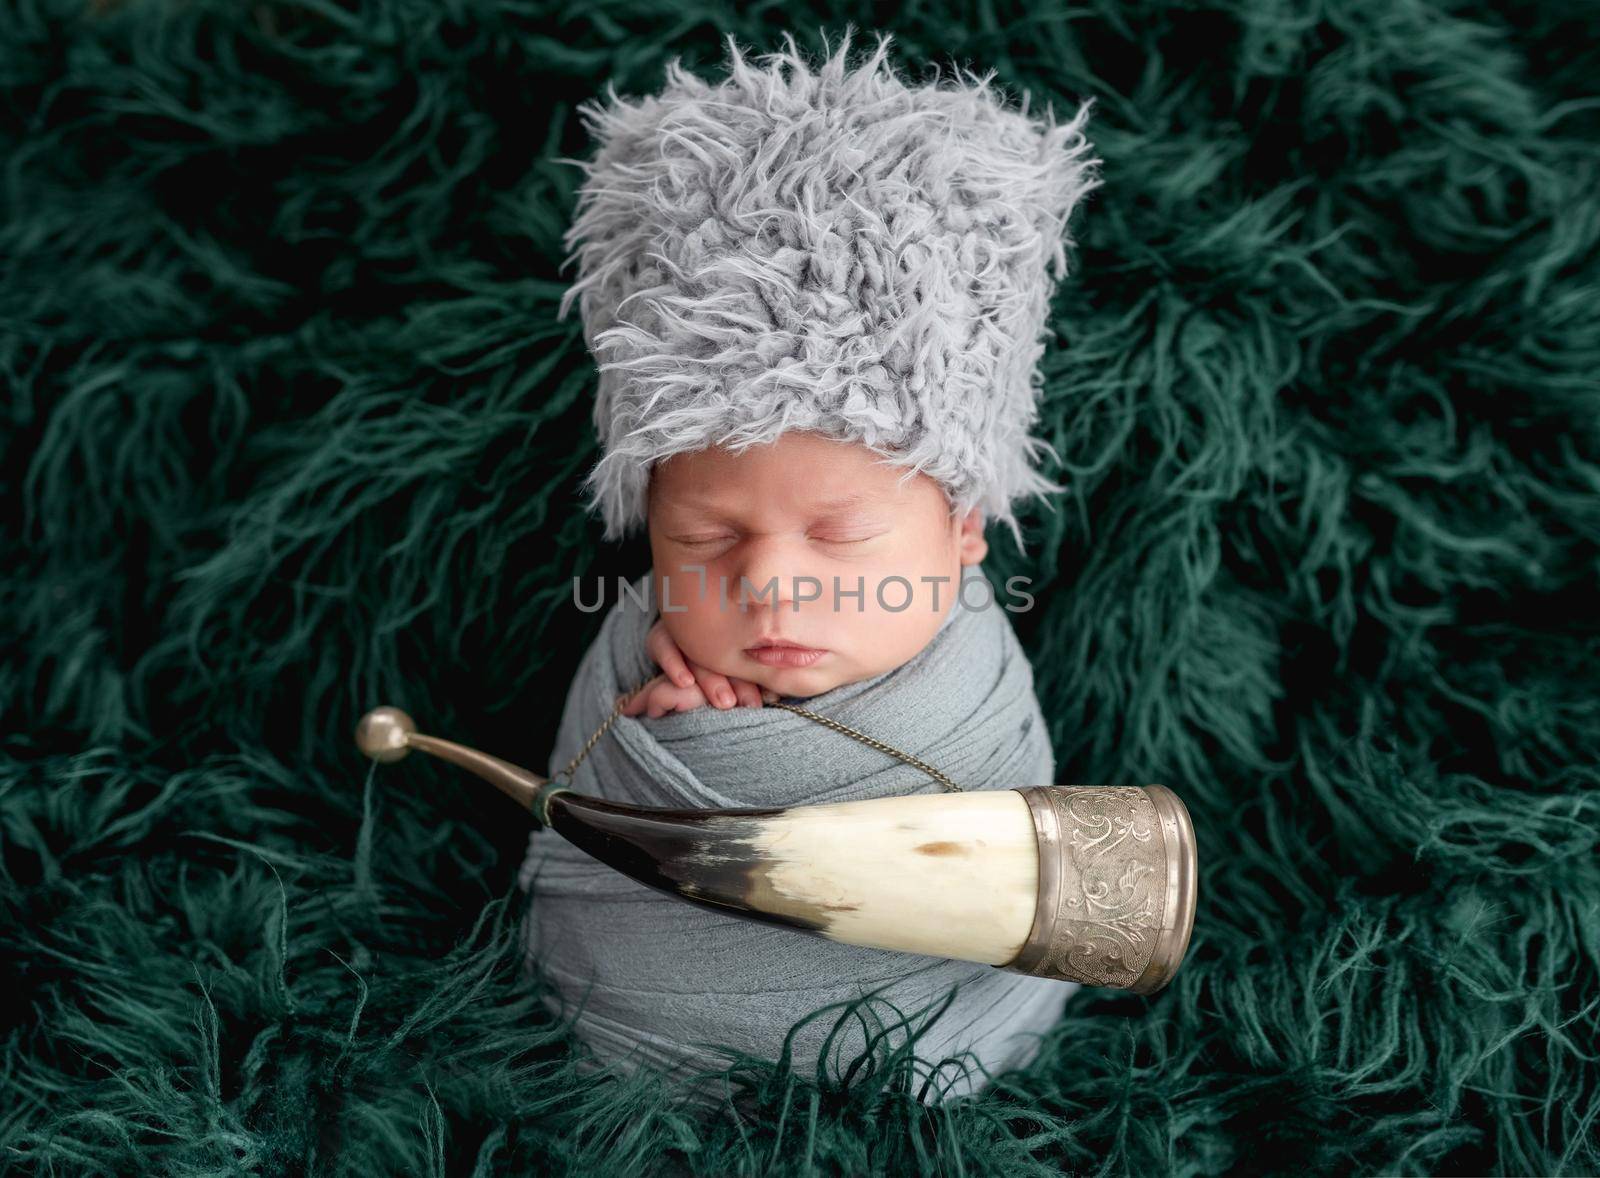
(889, 640)
(706, 638)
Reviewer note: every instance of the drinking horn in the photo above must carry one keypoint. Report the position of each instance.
(1088, 884)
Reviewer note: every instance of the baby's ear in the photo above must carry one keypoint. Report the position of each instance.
(973, 547)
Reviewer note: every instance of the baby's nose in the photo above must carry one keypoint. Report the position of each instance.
(770, 576)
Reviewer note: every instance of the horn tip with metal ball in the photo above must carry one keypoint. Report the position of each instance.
(384, 734)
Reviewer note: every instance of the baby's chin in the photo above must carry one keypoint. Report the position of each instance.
(794, 681)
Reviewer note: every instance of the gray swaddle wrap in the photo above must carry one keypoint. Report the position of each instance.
(671, 980)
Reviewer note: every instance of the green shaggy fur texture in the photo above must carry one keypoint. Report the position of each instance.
(290, 430)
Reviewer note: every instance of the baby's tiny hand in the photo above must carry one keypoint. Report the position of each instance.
(693, 684)
(661, 695)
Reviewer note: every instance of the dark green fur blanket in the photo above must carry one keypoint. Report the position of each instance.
(289, 430)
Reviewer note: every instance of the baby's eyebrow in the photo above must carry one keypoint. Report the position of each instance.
(845, 502)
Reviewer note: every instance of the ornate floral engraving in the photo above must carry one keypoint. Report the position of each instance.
(1113, 886)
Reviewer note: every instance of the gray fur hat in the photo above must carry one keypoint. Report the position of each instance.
(831, 251)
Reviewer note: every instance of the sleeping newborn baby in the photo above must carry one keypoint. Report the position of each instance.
(817, 299)
(901, 644)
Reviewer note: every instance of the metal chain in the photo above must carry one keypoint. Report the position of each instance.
(572, 765)
(944, 781)
(949, 785)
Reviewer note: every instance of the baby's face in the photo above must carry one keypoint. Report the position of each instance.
(805, 522)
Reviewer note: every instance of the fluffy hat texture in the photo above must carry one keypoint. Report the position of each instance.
(827, 250)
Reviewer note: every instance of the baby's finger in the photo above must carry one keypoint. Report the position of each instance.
(666, 655)
(688, 699)
(714, 686)
(670, 698)
(661, 700)
(749, 694)
(641, 698)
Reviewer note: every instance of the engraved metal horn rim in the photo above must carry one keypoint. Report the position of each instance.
(1023, 878)
(1111, 952)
